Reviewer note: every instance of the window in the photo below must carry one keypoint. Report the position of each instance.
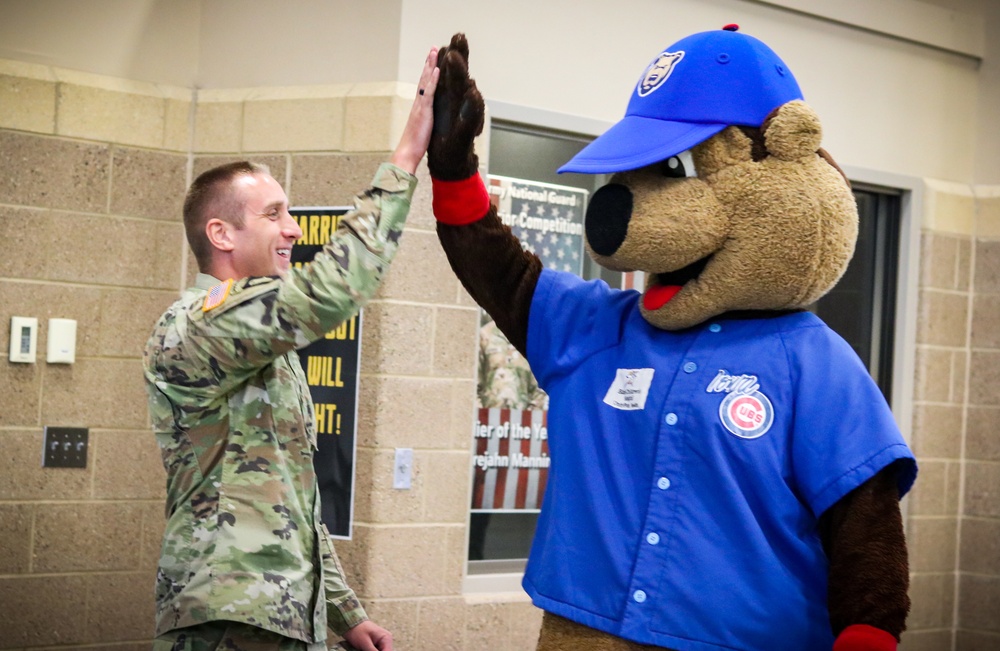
(499, 538)
(862, 307)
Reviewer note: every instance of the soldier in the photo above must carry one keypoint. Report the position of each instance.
(245, 560)
(505, 379)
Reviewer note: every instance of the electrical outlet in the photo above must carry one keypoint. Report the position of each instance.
(65, 447)
(403, 470)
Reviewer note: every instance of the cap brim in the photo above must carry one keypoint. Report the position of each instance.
(636, 142)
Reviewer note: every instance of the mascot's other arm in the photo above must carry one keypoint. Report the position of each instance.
(487, 258)
(869, 574)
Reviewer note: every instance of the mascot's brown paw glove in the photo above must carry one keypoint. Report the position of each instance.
(459, 194)
(861, 637)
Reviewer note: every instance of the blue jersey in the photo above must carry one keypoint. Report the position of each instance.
(689, 469)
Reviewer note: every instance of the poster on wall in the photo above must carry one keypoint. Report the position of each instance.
(510, 428)
(332, 366)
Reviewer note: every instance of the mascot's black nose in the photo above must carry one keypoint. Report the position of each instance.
(607, 218)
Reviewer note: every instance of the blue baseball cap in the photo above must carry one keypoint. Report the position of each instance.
(692, 90)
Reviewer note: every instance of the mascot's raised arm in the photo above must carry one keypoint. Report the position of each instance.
(746, 494)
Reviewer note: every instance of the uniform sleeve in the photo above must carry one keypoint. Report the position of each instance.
(343, 610)
(572, 319)
(844, 432)
(263, 318)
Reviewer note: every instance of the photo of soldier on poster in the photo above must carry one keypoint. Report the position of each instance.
(511, 457)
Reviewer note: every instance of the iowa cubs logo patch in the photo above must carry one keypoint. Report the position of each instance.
(658, 72)
(745, 412)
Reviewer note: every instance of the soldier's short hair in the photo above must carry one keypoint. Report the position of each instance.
(211, 196)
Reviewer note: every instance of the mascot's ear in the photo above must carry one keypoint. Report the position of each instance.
(792, 131)
(727, 148)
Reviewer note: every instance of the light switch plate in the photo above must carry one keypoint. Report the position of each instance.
(61, 341)
(403, 470)
(65, 447)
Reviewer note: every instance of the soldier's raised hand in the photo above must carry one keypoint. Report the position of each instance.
(417, 132)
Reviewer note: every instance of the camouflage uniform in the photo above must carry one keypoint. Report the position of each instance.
(234, 420)
(505, 378)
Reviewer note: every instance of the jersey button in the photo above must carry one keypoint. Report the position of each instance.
(671, 418)
(639, 596)
(653, 538)
(690, 367)
(663, 483)
(715, 327)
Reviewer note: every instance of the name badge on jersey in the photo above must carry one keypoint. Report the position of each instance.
(630, 389)
(746, 412)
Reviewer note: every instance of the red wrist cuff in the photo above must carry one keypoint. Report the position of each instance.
(861, 637)
(459, 203)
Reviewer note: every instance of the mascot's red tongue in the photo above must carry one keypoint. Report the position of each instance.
(659, 295)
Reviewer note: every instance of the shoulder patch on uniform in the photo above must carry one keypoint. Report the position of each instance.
(217, 295)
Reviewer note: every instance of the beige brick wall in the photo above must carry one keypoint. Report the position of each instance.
(979, 544)
(954, 516)
(92, 175)
(90, 193)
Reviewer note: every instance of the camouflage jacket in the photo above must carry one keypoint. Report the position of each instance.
(234, 420)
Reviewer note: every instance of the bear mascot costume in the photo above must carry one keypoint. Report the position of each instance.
(725, 474)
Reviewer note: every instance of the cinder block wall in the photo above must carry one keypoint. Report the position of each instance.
(954, 513)
(92, 176)
(92, 172)
(979, 544)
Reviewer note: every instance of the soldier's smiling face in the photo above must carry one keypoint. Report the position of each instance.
(263, 246)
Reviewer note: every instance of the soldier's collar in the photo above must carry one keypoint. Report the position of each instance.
(206, 281)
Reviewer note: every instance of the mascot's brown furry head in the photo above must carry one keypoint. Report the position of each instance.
(764, 221)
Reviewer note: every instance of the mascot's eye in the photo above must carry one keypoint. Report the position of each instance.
(679, 166)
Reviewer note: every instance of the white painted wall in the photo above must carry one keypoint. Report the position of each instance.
(208, 43)
(889, 103)
(145, 40)
(250, 43)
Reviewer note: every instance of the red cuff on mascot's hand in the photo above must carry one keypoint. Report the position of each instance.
(861, 637)
(460, 203)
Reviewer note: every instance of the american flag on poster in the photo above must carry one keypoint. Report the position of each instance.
(548, 219)
(511, 460)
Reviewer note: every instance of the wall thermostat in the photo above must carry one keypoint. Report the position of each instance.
(23, 339)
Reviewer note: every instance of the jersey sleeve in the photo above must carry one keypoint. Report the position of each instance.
(571, 319)
(843, 430)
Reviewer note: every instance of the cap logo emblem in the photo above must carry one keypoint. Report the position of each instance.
(658, 72)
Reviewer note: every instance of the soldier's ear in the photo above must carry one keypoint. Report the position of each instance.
(219, 234)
